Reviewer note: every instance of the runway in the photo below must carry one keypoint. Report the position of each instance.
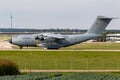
(5, 45)
(97, 50)
(101, 50)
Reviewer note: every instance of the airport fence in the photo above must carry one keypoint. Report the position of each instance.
(62, 76)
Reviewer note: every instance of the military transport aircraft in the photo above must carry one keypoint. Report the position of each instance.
(56, 41)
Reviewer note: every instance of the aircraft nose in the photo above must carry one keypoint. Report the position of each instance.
(10, 40)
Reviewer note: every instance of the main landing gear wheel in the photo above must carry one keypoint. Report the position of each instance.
(21, 47)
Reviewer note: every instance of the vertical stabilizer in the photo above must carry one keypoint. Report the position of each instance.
(99, 25)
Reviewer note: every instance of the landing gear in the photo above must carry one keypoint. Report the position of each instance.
(21, 47)
(53, 48)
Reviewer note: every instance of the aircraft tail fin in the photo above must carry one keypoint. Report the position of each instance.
(99, 25)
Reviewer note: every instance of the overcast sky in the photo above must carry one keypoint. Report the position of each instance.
(73, 14)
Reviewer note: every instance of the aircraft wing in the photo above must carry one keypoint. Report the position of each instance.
(50, 37)
(56, 36)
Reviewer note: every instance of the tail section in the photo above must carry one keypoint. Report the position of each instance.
(99, 25)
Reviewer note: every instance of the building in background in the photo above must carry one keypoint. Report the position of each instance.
(113, 37)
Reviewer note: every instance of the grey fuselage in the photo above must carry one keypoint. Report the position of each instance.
(29, 40)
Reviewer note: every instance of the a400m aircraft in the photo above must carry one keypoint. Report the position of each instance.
(56, 41)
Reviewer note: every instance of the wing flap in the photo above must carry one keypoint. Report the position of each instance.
(55, 36)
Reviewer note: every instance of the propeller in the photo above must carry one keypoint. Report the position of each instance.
(41, 37)
(45, 38)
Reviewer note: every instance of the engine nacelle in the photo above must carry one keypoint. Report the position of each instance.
(45, 39)
(41, 38)
(49, 39)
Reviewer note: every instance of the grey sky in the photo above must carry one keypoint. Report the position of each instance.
(73, 14)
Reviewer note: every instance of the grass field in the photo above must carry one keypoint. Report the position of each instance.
(64, 60)
(94, 45)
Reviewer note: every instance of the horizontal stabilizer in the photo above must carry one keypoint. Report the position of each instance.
(105, 18)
